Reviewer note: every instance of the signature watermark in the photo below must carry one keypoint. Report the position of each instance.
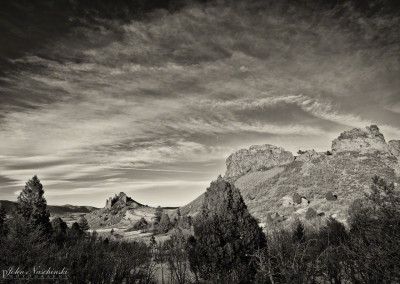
(37, 272)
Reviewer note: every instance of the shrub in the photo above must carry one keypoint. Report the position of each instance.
(83, 224)
(330, 196)
(311, 213)
(296, 198)
(139, 225)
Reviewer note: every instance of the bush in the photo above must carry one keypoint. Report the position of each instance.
(311, 213)
(139, 225)
(83, 224)
(296, 198)
(330, 196)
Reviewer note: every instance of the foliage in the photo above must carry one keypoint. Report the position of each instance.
(59, 230)
(330, 196)
(225, 236)
(366, 253)
(158, 214)
(32, 206)
(311, 213)
(296, 198)
(177, 258)
(375, 235)
(139, 225)
(83, 224)
(165, 224)
(3, 225)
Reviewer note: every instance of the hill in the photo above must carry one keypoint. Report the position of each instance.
(278, 186)
(122, 211)
(11, 206)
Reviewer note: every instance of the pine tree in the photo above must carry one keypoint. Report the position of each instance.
(225, 236)
(83, 224)
(59, 230)
(158, 214)
(3, 225)
(165, 223)
(32, 206)
(75, 232)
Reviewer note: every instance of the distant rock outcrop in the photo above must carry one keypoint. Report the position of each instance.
(256, 158)
(121, 200)
(360, 140)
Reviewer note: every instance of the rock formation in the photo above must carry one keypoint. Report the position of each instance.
(359, 140)
(256, 158)
(394, 146)
(308, 156)
(268, 176)
(121, 200)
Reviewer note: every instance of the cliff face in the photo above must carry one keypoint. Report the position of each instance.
(254, 159)
(269, 177)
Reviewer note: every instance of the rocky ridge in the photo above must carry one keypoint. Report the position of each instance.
(269, 177)
(256, 158)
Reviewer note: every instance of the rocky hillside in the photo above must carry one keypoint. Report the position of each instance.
(278, 186)
(122, 211)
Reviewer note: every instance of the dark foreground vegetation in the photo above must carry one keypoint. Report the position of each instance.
(226, 244)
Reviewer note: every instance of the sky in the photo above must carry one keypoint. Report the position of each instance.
(152, 104)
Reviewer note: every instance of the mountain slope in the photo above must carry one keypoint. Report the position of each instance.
(10, 206)
(273, 182)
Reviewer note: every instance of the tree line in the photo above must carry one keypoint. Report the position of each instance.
(225, 244)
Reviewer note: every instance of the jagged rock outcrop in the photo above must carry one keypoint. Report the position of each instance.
(121, 200)
(256, 158)
(360, 140)
(308, 156)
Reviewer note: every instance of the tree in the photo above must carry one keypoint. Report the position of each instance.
(75, 232)
(83, 224)
(177, 258)
(225, 236)
(59, 230)
(165, 223)
(375, 235)
(3, 225)
(158, 214)
(32, 206)
(141, 225)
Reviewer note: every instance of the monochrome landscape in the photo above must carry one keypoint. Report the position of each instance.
(148, 141)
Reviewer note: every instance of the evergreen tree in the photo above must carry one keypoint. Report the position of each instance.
(158, 214)
(32, 206)
(226, 237)
(83, 224)
(3, 225)
(165, 223)
(75, 231)
(59, 230)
